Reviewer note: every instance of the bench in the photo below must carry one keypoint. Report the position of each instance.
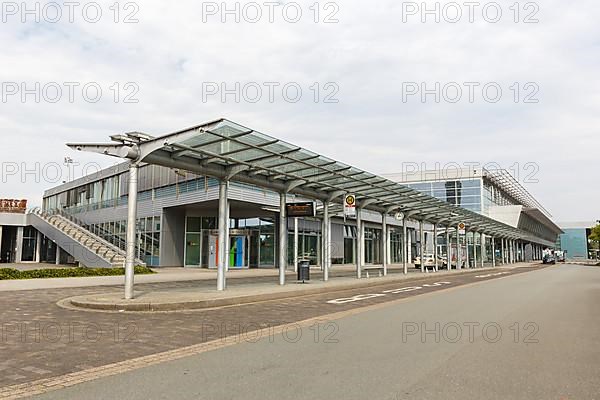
(368, 268)
(427, 267)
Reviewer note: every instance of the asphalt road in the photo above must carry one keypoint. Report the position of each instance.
(525, 336)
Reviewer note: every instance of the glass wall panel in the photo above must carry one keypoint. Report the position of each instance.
(29, 243)
(372, 246)
(396, 246)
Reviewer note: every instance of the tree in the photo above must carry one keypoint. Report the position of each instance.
(595, 236)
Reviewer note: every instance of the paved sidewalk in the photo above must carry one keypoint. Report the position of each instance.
(162, 275)
(181, 275)
(250, 292)
(27, 266)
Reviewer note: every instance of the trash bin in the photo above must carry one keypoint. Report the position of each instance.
(304, 270)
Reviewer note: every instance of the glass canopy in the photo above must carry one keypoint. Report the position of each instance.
(230, 151)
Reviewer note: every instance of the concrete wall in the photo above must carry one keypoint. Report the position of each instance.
(172, 238)
(337, 242)
(10, 219)
(506, 214)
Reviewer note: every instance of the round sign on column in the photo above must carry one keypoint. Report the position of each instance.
(350, 205)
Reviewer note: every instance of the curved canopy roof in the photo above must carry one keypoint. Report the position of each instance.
(226, 150)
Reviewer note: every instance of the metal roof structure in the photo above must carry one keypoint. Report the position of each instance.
(503, 179)
(538, 215)
(229, 151)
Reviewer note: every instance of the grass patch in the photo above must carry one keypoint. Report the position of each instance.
(11, 273)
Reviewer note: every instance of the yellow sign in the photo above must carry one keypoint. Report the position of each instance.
(350, 205)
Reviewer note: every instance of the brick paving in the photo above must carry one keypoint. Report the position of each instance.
(41, 340)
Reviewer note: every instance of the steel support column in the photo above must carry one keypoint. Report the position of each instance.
(493, 239)
(38, 247)
(325, 229)
(295, 244)
(359, 243)
(282, 238)
(19, 245)
(384, 243)
(422, 245)
(435, 245)
(475, 249)
(131, 230)
(221, 253)
(227, 241)
(57, 257)
(512, 251)
(458, 249)
(468, 260)
(483, 249)
(404, 247)
(448, 249)
(502, 251)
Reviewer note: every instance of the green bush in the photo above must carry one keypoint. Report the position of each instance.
(11, 273)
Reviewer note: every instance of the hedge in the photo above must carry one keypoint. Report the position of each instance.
(11, 273)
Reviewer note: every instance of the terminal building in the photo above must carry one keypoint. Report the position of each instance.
(493, 193)
(575, 242)
(219, 182)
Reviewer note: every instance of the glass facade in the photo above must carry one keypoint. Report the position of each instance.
(100, 194)
(309, 241)
(29, 243)
(154, 182)
(148, 237)
(350, 235)
(373, 246)
(252, 242)
(493, 196)
(395, 245)
(465, 193)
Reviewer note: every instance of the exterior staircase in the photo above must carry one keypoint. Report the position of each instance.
(71, 236)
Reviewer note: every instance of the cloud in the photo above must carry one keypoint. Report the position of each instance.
(364, 61)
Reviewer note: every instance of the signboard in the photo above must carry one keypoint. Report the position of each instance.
(399, 216)
(306, 209)
(13, 206)
(350, 205)
(462, 228)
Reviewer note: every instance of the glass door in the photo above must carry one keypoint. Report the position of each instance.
(238, 252)
(192, 249)
(193, 242)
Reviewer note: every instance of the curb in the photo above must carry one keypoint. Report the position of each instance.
(83, 302)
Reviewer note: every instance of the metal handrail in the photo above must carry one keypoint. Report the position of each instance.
(80, 226)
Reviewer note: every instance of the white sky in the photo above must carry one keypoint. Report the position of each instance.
(174, 52)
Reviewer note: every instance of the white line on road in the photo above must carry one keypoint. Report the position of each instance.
(360, 297)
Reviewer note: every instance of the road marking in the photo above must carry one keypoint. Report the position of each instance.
(489, 275)
(360, 297)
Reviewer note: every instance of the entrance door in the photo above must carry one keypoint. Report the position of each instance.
(192, 249)
(9, 244)
(213, 251)
(238, 252)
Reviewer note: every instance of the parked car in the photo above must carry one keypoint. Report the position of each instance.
(430, 261)
(549, 259)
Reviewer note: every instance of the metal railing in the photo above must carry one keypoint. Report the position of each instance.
(84, 229)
